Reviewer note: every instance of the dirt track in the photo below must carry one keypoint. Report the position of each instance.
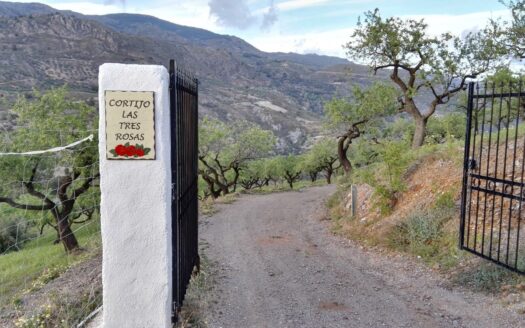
(277, 265)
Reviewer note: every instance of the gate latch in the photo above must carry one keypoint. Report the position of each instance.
(472, 164)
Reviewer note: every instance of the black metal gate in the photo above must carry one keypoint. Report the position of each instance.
(493, 180)
(184, 121)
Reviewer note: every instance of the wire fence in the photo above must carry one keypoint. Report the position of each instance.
(49, 209)
(45, 191)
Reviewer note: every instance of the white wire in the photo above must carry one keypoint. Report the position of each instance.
(51, 150)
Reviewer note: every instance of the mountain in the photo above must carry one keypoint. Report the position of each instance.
(14, 9)
(42, 47)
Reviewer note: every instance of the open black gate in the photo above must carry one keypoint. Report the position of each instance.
(184, 121)
(493, 181)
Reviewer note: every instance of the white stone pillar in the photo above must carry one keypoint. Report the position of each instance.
(136, 211)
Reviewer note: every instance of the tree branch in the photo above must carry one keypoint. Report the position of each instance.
(85, 186)
(33, 192)
(12, 203)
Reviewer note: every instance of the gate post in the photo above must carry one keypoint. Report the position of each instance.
(135, 195)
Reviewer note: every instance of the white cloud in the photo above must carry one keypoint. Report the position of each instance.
(298, 4)
(457, 24)
(331, 42)
(232, 13)
(326, 43)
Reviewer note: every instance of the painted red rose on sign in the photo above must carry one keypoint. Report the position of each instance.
(129, 151)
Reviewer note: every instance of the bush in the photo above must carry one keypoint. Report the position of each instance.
(487, 277)
(421, 233)
(13, 233)
(446, 128)
(417, 234)
(387, 175)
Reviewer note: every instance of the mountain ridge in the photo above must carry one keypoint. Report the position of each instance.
(238, 81)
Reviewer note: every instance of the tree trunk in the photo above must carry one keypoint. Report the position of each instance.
(67, 237)
(341, 153)
(329, 173)
(211, 186)
(290, 179)
(420, 133)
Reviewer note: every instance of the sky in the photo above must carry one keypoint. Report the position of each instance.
(302, 26)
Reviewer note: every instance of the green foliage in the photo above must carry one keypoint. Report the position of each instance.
(51, 180)
(19, 269)
(363, 152)
(382, 41)
(371, 105)
(446, 128)
(418, 232)
(400, 129)
(363, 114)
(431, 64)
(486, 277)
(14, 232)
(226, 149)
(421, 233)
(321, 157)
(289, 168)
(512, 34)
(445, 201)
(386, 176)
(236, 142)
(48, 120)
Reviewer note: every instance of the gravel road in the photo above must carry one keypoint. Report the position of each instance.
(276, 264)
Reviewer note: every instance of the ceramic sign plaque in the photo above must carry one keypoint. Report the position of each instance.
(130, 125)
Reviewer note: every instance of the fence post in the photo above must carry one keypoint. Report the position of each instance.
(136, 196)
(354, 201)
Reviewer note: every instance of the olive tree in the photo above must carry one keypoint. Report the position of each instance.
(512, 34)
(226, 149)
(289, 168)
(323, 157)
(359, 115)
(53, 183)
(421, 63)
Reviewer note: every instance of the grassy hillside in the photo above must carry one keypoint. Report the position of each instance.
(41, 277)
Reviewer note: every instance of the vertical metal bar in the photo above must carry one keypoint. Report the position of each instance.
(487, 174)
(496, 175)
(173, 159)
(509, 105)
(516, 128)
(466, 164)
(480, 161)
(521, 187)
(184, 121)
(473, 156)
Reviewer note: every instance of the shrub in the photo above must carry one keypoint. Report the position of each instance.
(446, 128)
(13, 233)
(421, 233)
(387, 175)
(417, 234)
(486, 277)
